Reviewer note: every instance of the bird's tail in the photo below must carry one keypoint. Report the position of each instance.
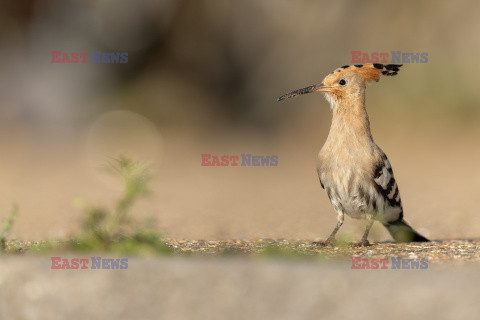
(402, 232)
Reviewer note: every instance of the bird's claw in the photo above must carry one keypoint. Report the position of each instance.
(328, 243)
(362, 243)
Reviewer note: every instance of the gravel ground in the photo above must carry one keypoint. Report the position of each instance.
(460, 251)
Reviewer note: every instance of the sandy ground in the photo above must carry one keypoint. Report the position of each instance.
(437, 173)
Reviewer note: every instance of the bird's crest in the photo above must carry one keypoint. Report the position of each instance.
(370, 71)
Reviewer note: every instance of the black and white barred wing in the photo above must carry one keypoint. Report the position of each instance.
(389, 204)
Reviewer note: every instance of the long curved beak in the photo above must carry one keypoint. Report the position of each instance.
(310, 89)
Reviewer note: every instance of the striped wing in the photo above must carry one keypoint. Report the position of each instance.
(387, 190)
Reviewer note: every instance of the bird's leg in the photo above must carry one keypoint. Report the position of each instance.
(364, 241)
(331, 238)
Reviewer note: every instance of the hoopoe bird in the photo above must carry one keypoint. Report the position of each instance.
(353, 170)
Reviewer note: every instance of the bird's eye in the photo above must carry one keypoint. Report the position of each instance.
(342, 82)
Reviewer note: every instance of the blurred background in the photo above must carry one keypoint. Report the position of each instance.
(203, 77)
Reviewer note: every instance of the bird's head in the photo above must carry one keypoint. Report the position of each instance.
(348, 82)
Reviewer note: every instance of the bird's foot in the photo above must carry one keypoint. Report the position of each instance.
(362, 243)
(328, 243)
